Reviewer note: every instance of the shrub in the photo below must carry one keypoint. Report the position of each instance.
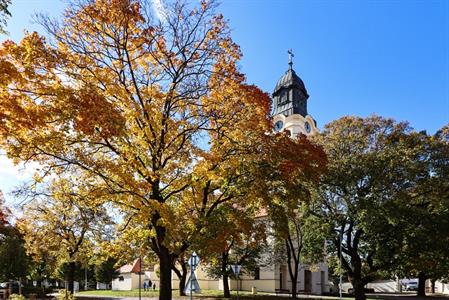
(16, 297)
(65, 295)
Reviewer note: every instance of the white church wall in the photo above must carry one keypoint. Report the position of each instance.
(122, 283)
(441, 287)
(265, 283)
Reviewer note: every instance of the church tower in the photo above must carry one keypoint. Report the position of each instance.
(290, 104)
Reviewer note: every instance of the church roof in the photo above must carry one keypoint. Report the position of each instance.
(131, 268)
(290, 79)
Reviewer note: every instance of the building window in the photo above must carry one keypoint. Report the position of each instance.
(257, 273)
(120, 278)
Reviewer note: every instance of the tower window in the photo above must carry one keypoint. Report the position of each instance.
(283, 97)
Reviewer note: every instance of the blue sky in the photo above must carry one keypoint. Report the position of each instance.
(356, 57)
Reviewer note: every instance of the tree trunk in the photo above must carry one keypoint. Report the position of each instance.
(433, 286)
(165, 264)
(359, 289)
(71, 277)
(294, 283)
(224, 271)
(293, 257)
(182, 276)
(422, 284)
(182, 282)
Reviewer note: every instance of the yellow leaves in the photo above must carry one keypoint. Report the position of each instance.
(8, 72)
(151, 117)
(95, 113)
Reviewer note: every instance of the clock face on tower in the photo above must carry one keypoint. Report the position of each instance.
(307, 127)
(278, 125)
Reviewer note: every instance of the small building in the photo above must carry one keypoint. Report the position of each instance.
(129, 278)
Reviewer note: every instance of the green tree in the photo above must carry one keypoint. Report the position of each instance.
(106, 271)
(424, 216)
(14, 261)
(373, 163)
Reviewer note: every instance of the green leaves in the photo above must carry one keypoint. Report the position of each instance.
(376, 170)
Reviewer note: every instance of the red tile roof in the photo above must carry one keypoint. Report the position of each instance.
(131, 268)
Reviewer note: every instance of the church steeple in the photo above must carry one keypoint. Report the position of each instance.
(290, 95)
(290, 104)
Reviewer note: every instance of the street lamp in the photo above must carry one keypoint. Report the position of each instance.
(193, 262)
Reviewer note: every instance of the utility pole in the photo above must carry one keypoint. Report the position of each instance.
(140, 277)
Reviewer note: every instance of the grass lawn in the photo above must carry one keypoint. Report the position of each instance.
(215, 294)
(110, 293)
(218, 295)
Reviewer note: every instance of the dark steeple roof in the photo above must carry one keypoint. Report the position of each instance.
(290, 94)
(290, 79)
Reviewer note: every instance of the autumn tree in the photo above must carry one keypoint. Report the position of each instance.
(155, 111)
(288, 169)
(233, 236)
(298, 239)
(4, 211)
(59, 224)
(373, 164)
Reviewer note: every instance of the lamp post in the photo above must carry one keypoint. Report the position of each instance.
(193, 262)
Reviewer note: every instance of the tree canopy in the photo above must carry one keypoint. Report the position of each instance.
(155, 112)
(374, 164)
(64, 224)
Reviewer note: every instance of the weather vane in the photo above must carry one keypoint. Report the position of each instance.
(290, 57)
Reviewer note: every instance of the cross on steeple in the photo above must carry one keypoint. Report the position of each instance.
(290, 58)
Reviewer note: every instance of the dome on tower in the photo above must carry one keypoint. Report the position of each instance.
(290, 94)
(290, 79)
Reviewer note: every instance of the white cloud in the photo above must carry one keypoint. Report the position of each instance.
(12, 176)
(159, 9)
(20, 172)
